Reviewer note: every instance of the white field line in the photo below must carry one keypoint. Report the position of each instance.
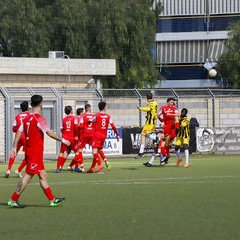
(155, 181)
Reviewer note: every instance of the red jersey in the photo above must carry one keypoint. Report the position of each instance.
(19, 120)
(101, 121)
(164, 111)
(34, 126)
(69, 127)
(77, 121)
(86, 127)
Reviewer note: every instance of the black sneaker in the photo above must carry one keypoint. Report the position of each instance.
(140, 155)
(147, 164)
(14, 204)
(164, 161)
(56, 202)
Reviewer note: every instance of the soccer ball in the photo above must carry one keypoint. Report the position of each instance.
(212, 73)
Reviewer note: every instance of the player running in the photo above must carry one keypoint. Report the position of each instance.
(34, 126)
(168, 114)
(17, 123)
(183, 137)
(100, 121)
(69, 129)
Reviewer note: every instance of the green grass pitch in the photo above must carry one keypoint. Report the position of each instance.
(130, 202)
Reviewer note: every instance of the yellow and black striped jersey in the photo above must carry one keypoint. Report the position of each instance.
(152, 110)
(184, 123)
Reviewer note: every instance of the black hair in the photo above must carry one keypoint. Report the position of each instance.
(171, 99)
(184, 109)
(102, 105)
(36, 100)
(24, 106)
(79, 111)
(87, 106)
(68, 110)
(149, 95)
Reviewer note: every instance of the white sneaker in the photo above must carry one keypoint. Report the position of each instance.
(7, 174)
(19, 174)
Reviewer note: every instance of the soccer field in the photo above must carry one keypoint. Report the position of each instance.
(130, 202)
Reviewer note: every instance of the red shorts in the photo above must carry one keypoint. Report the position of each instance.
(98, 142)
(34, 164)
(169, 130)
(65, 148)
(21, 143)
(85, 140)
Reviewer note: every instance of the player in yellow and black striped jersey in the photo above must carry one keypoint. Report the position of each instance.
(183, 137)
(151, 119)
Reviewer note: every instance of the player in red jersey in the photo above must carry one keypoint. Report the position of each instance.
(86, 133)
(17, 123)
(34, 126)
(168, 114)
(100, 121)
(75, 160)
(69, 129)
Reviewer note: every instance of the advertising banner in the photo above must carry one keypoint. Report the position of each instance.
(111, 145)
(132, 141)
(218, 139)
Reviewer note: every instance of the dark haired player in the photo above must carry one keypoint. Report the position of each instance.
(183, 137)
(69, 130)
(86, 134)
(100, 121)
(34, 126)
(168, 114)
(17, 123)
(76, 160)
(151, 119)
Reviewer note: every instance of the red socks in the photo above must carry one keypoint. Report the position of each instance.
(101, 153)
(22, 165)
(10, 163)
(48, 193)
(15, 197)
(60, 162)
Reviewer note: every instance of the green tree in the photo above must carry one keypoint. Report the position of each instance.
(22, 29)
(123, 30)
(229, 63)
(126, 31)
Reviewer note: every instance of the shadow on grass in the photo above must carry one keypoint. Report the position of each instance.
(28, 206)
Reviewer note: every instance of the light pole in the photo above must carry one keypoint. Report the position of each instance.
(69, 74)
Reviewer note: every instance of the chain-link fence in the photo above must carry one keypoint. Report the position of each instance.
(211, 107)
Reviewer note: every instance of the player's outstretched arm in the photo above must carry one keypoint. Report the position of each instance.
(53, 135)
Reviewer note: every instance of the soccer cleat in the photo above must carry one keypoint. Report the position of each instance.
(186, 165)
(18, 174)
(57, 171)
(162, 163)
(140, 155)
(69, 168)
(56, 202)
(13, 204)
(82, 169)
(167, 158)
(178, 162)
(77, 170)
(100, 167)
(90, 170)
(7, 174)
(107, 163)
(147, 164)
